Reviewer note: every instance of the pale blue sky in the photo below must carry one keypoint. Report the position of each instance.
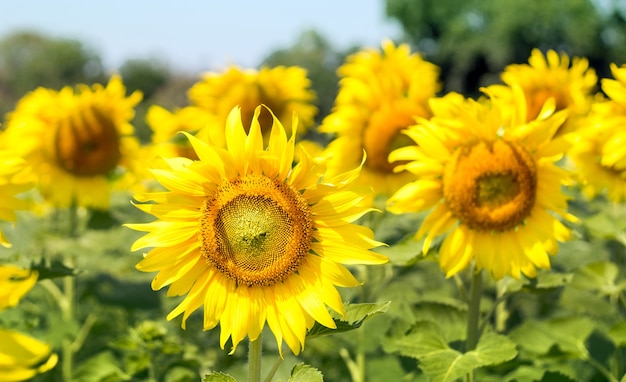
(196, 35)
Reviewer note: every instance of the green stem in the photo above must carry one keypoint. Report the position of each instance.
(67, 313)
(352, 366)
(473, 315)
(254, 360)
(501, 312)
(360, 356)
(603, 370)
(473, 310)
(274, 369)
(67, 309)
(81, 337)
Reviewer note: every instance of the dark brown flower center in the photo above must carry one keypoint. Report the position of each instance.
(87, 143)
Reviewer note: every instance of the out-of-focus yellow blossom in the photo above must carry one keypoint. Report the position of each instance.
(380, 94)
(21, 357)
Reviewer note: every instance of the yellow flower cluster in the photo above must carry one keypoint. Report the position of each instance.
(255, 239)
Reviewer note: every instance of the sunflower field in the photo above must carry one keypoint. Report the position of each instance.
(409, 234)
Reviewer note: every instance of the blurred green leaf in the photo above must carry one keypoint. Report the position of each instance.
(451, 318)
(440, 362)
(609, 223)
(589, 303)
(180, 374)
(617, 334)
(384, 368)
(403, 253)
(525, 374)
(551, 279)
(102, 367)
(553, 376)
(600, 276)
(305, 373)
(356, 314)
(218, 376)
(52, 268)
(568, 334)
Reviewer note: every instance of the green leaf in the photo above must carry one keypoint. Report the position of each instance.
(305, 373)
(49, 269)
(403, 253)
(100, 368)
(356, 314)
(218, 376)
(610, 223)
(600, 276)
(450, 316)
(393, 229)
(525, 374)
(551, 279)
(568, 334)
(553, 376)
(441, 363)
(617, 334)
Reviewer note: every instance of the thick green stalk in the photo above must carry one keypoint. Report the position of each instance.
(255, 351)
(67, 312)
(473, 315)
(67, 308)
(473, 311)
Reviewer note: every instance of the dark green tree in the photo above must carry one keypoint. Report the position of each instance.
(473, 40)
(29, 60)
(147, 75)
(313, 52)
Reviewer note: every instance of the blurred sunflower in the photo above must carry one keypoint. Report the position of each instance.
(252, 238)
(380, 94)
(492, 183)
(570, 83)
(14, 179)
(600, 153)
(285, 91)
(166, 125)
(21, 357)
(78, 143)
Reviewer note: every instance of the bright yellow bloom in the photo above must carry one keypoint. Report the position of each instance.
(285, 90)
(570, 83)
(381, 93)
(253, 238)
(21, 357)
(491, 183)
(77, 142)
(600, 153)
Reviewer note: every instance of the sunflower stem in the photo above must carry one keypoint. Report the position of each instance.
(67, 312)
(274, 369)
(501, 312)
(255, 350)
(67, 308)
(473, 315)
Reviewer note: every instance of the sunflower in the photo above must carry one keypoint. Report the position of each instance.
(285, 90)
(490, 182)
(380, 94)
(570, 83)
(21, 357)
(14, 179)
(599, 154)
(77, 142)
(252, 238)
(166, 125)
